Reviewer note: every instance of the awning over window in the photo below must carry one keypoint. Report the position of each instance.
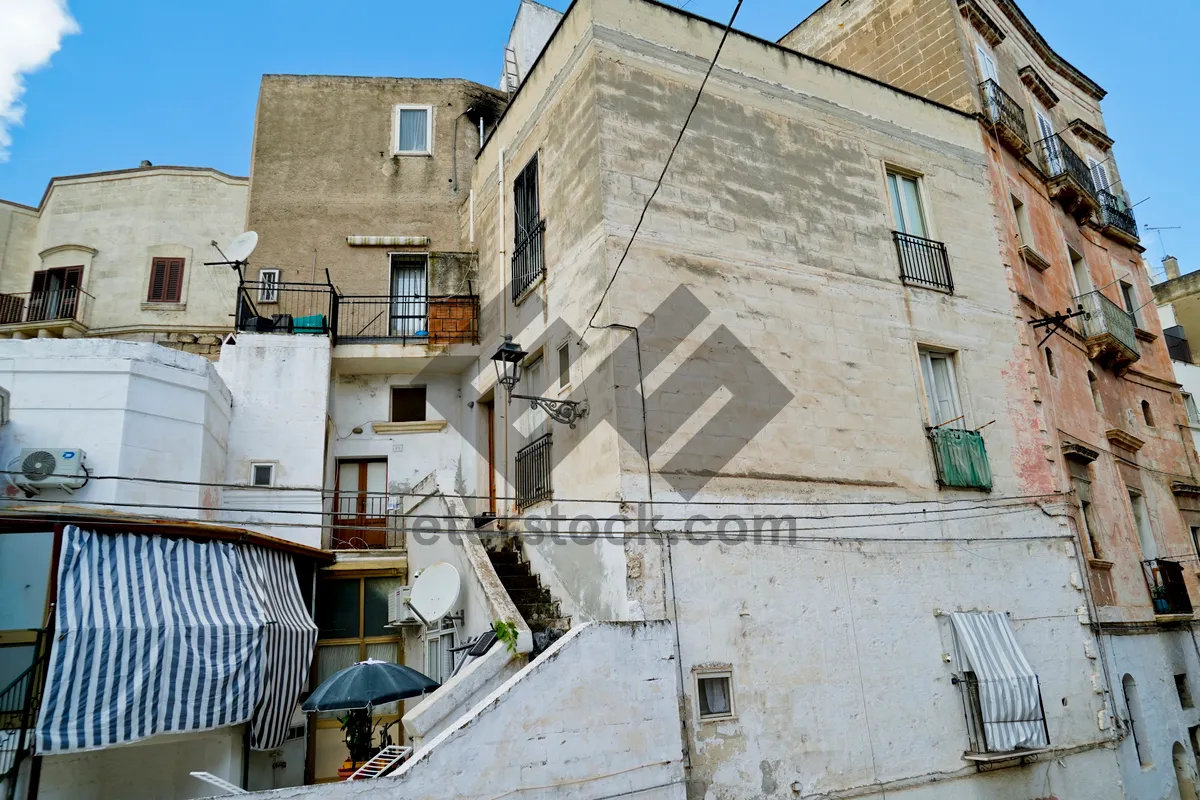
(387, 241)
(1009, 696)
(155, 635)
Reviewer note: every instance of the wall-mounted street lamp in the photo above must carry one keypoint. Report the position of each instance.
(508, 361)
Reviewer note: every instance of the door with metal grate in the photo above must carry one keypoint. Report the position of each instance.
(410, 295)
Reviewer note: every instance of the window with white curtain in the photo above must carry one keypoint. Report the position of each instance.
(414, 130)
(714, 694)
(905, 192)
(941, 389)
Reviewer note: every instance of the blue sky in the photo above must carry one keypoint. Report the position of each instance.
(175, 82)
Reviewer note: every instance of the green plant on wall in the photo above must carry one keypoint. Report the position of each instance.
(507, 633)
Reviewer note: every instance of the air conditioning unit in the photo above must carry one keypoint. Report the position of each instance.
(398, 611)
(42, 468)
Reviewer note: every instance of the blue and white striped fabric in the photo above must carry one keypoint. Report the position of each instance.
(155, 635)
(1009, 696)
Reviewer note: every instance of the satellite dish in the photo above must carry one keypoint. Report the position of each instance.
(435, 592)
(242, 246)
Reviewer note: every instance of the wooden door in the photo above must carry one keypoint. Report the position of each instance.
(360, 505)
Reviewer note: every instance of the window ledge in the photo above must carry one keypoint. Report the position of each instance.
(1034, 259)
(1145, 336)
(1012, 755)
(717, 718)
(530, 289)
(1100, 564)
(411, 154)
(164, 306)
(424, 426)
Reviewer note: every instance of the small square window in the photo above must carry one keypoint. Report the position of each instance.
(1183, 690)
(413, 129)
(714, 695)
(262, 475)
(408, 404)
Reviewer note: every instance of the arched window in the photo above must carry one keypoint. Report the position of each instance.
(1137, 723)
(1050, 362)
(1147, 414)
(1094, 385)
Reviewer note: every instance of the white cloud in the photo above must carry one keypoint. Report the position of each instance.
(30, 32)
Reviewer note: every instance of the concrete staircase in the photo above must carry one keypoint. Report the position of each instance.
(539, 609)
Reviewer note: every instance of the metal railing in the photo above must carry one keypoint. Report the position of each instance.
(528, 261)
(409, 318)
(47, 305)
(923, 262)
(1114, 212)
(1057, 159)
(19, 705)
(1002, 110)
(533, 473)
(961, 458)
(274, 307)
(1167, 587)
(1102, 316)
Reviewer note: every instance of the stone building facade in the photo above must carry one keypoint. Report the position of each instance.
(1108, 402)
(121, 255)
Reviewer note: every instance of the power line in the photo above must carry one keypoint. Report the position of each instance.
(645, 208)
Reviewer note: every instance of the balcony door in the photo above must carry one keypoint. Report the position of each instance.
(410, 295)
(987, 64)
(360, 505)
(55, 293)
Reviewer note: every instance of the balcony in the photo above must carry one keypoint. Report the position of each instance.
(1168, 590)
(408, 319)
(1067, 176)
(923, 262)
(961, 459)
(294, 308)
(1108, 331)
(1177, 344)
(1116, 219)
(54, 313)
(20, 702)
(1006, 116)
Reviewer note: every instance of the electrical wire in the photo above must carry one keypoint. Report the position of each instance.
(658, 185)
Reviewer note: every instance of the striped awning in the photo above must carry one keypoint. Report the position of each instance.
(387, 241)
(156, 635)
(1010, 701)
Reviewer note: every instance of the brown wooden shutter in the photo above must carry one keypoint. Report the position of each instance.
(158, 281)
(174, 289)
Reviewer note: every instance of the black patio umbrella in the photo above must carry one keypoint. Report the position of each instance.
(368, 683)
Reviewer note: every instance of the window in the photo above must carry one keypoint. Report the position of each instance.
(414, 130)
(714, 694)
(54, 294)
(262, 474)
(166, 280)
(268, 286)
(1183, 690)
(987, 63)
(352, 617)
(1004, 697)
(1131, 305)
(564, 366)
(1050, 363)
(1081, 482)
(1133, 707)
(1142, 523)
(1045, 126)
(1024, 232)
(1079, 271)
(1094, 385)
(1147, 414)
(528, 256)
(408, 404)
(410, 295)
(439, 660)
(1193, 415)
(941, 391)
(1196, 540)
(360, 505)
(1099, 174)
(905, 192)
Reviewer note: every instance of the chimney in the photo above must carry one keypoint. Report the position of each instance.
(1171, 265)
(145, 164)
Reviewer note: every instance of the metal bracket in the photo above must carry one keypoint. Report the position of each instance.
(1055, 322)
(568, 412)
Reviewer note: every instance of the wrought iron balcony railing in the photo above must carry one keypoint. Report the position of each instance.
(1068, 176)
(1116, 216)
(529, 259)
(1168, 590)
(20, 702)
(961, 458)
(923, 262)
(1006, 116)
(47, 305)
(1109, 329)
(414, 319)
(274, 307)
(533, 473)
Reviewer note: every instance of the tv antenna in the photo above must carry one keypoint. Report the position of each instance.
(1159, 229)
(237, 253)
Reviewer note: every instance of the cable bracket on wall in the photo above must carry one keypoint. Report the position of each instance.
(1055, 322)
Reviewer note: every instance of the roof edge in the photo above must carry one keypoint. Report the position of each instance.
(104, 173)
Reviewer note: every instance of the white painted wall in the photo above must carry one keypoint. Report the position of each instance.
(530, 32)
(568, 725)
(136, 410)
(280, 387)
(1187, 374)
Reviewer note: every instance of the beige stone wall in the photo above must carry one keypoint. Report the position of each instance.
(915, 45)
(323, 169)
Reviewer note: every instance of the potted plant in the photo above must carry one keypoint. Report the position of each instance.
(356, 731)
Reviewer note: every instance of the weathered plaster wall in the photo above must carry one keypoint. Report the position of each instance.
(280, 387)
(136, 410)
(323, 169)
(568, 725)
(531, 29)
